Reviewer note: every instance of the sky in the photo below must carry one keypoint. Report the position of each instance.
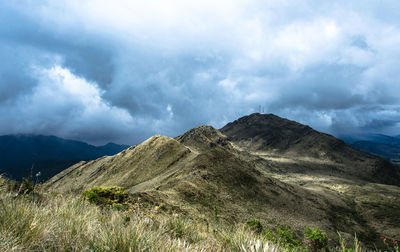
(121, 71)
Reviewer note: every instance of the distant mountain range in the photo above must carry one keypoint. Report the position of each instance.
(48, 155)
(387, 147)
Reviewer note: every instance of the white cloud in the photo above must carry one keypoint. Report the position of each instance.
(170, 112)
(58, 85)
(64, 104)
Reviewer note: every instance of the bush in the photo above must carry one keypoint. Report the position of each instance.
(255, 225)
(114, 196)
(282, 235)
(315, 239)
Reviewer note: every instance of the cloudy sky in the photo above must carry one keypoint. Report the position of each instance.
(121, 71)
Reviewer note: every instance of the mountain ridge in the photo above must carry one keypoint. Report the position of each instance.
(387, 147)
(204, 171)
(24, 154)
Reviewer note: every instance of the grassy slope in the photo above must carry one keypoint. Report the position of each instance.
(200, 174)
(128, 168)
(370, 209)
(45, 221)
(51, 222)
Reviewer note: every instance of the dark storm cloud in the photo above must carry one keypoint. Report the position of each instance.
(322, 87)
(84, 53)
(100, 71)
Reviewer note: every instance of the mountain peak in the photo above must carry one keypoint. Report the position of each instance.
(270, 120)
(266, 131)
(202, 138)
(275, 136)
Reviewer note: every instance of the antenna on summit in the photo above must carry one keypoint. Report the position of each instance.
(261, 109)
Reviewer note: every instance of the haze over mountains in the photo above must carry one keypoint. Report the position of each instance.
(47, 154)
(259, 166)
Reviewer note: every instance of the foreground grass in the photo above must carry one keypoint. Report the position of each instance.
(56, 223)
(48, 222)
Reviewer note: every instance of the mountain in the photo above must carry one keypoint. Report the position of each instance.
(387, 147)
(376, 138)
(389, 152)
(260, 166)
(47, 154)
(271, 136)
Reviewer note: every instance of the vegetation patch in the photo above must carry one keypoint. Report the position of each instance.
(282, 235)
(255, 225)
(24, 187)
(113, 196)
(181, 228)
(315, 239)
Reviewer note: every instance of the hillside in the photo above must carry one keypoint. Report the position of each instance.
(44, 221)
(47, 154)
(205, 173)
(275, 138)
(196, 178)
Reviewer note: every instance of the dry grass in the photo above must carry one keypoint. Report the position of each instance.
(51, 222)
(44, 222)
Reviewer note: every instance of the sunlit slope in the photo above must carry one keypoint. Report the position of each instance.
(128, 168)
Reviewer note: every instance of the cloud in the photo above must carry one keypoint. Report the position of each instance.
(59, 95)
(121, 71)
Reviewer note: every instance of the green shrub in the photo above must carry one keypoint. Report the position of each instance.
(283, 236)
(114, 196)
(255, 225)
(315, 239)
